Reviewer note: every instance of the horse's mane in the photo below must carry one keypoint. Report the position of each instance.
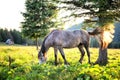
(43, 48)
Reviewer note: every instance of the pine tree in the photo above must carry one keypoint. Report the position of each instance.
(17, 36)
(38, 18)
(1, 39)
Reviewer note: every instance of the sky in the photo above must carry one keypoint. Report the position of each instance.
(11, 17)
(71, 21)
(10, 13)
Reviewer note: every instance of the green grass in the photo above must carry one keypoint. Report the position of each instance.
(2, 44)
(24, 65)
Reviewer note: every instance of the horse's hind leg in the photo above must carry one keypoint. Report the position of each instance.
(88, 52)
(55, 54)
(82, 53)
(63, 56)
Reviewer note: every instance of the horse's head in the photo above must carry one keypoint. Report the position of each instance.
(42, 57)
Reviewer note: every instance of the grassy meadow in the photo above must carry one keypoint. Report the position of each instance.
(21, 63)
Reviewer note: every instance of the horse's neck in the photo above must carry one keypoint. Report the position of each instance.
(43, 49)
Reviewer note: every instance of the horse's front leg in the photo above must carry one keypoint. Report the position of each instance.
(55, 54)
(63, 56)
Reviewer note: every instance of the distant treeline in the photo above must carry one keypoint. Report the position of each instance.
(14, 35)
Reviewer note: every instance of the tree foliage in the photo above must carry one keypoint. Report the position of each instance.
(38, 18)
(17, 37)
(3, 35)
(106, 10)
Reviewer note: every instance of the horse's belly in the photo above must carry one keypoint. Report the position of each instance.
(70, 45)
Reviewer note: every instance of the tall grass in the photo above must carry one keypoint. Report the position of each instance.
(21, 63)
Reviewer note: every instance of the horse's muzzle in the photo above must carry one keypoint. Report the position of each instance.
(42, 60)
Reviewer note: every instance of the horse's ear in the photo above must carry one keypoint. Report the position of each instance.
(45, 55)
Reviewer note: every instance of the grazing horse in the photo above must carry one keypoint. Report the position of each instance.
(59, 39)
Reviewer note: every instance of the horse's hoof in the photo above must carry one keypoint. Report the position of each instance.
(89, 63)
(56, 64)
(67, 63)
(80, 62)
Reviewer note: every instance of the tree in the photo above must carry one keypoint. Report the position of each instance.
(1, 39)
(17, 36)
(38, 18)
(8, 34)
(5, 34)
(107, 11)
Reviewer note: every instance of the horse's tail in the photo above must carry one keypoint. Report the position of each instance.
(96, 31)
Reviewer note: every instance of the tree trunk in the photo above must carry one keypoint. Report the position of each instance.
(104, 39)
(102, 58)
(37, 43)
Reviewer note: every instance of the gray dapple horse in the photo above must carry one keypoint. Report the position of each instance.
(59, 39)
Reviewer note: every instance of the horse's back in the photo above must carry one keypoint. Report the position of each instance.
(66, 38)
(85, 35)
(52, 38)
